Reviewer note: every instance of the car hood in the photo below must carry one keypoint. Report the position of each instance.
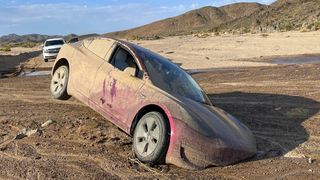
(214, 122)
(52, 47)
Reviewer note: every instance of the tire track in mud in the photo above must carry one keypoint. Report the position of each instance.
(74, 160)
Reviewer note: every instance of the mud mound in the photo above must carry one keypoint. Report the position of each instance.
(11, 65)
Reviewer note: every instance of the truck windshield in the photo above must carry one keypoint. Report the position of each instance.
(54, 43)
(169, 77)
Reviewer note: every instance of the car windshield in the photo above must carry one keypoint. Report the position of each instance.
(169, 77)
(54, 42)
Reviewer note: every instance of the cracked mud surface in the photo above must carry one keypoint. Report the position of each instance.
(280, 104)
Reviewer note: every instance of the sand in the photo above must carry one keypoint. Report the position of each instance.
(233, 50)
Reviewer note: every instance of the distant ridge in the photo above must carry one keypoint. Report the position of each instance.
(36, 38)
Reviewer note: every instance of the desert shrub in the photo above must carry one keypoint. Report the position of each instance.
(287, 26)
(217, 33)
(136, 37)
(317, 25)
(245, 30)
(6, 48)
(264, 35)
(25, 44)
(304, 30)
(201, 35)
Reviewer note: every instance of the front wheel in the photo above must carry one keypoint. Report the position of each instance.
(59, 83)
(151, 138)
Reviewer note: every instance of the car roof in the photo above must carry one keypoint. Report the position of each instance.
(55, 39)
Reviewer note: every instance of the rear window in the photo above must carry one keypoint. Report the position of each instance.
(54, 43)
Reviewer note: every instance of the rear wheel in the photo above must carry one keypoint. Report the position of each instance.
(59, 83)
(151, 138)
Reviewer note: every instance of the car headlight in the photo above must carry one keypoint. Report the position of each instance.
(195, 123)
(46, 50)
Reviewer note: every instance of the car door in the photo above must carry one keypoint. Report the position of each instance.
(100, 90)
(123, 87)
(89, 59)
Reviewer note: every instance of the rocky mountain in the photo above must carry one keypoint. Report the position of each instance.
(282, 15)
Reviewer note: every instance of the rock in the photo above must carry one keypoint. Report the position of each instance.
(21, 134)
(47, 123)
(26, 133)
(31, 132)
(115, 139)
(310, 160)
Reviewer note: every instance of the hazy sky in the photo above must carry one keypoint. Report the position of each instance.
(61, 17)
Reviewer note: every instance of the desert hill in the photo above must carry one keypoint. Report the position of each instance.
(282, 15)
(203, 19)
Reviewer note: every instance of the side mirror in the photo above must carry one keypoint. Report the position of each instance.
(130, 71)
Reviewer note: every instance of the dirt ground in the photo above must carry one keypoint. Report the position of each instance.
(279, 103)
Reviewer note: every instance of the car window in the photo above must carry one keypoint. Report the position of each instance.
(123, 59)
(100, 47)
(169, 77)
(73, 40)
(54, 43)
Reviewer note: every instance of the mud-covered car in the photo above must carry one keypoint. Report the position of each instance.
(169, 116)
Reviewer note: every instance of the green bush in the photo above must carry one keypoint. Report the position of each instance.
(25, 44)
(6, 48)
(317, 25)
(287, 26)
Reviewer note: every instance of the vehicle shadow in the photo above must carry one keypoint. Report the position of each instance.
(275, 120)
(12, 63)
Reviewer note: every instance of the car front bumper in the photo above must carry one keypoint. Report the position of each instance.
(192, 150)
(50, 55)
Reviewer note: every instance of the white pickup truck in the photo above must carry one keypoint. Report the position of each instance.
(51, 48)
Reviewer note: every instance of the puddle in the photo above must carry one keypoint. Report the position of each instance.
(34, 73)
(291, 60)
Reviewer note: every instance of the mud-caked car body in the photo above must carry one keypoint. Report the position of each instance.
(169, 116)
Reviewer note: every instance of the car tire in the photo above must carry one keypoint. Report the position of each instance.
(59, 83)
(45, 60)
(151, 138)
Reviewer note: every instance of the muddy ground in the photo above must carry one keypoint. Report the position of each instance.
(280, 104)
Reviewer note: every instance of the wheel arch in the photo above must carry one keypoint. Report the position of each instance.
(149, 108)
(60, 62)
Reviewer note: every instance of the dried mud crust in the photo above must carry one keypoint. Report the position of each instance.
(279, 104)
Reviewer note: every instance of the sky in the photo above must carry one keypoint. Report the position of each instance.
(62, 17)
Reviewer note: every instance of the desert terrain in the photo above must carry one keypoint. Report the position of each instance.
(270, 82)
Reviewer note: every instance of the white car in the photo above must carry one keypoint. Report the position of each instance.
(51, 48)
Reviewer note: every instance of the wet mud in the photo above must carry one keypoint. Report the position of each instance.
(279, 104)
